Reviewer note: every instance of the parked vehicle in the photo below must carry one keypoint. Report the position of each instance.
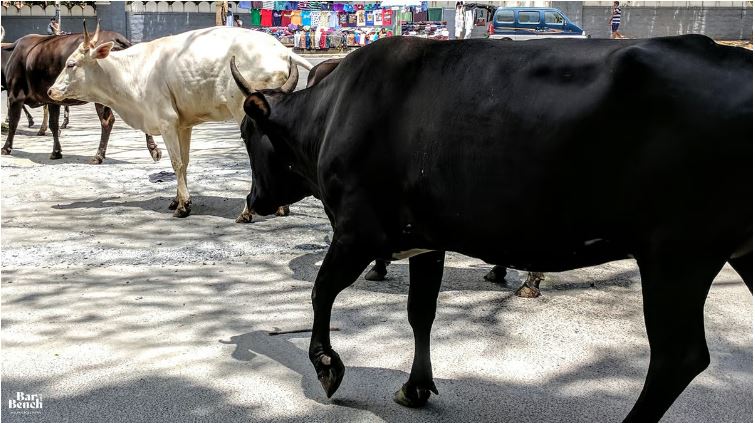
(526, 23)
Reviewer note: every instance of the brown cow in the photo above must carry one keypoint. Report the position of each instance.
(31, 69)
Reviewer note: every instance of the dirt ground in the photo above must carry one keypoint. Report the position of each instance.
(111, 308)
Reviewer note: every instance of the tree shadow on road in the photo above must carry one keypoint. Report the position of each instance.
(44, 158)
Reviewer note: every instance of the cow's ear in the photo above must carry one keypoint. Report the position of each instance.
(256, 106)
(102, 51)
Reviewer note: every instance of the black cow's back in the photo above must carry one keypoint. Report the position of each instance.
(575, 140)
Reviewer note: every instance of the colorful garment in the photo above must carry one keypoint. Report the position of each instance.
(285, 18)
(296, 17)
(332, 19)
(369, 19)
(360, 18)
(324, 19)
(267, 17)
(377, 16)
(387, 17)
(306, 17)
(352, 19)
(256, 17)
(277, 17)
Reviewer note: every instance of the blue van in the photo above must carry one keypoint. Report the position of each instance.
(527, 23)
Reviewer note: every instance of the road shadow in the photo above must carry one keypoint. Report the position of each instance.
(44, 158)
(306, 266)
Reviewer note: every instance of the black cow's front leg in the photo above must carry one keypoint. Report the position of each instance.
(342, 265)
(57, 150)
(14, 114)
(674, 288)
(531, 286)
(425, 274)
(497, 274)
(107, 119)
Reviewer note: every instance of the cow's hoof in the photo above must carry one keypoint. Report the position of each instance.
(56, 155)
(41, 132)
(173, 205)
(282, 211)
(31, 124)
(182, 211)
(245, 217)
(5, 151)
(413, 396)
(526, 291)
(375, 274)
(156, 154)
(96, 160)
(496, 275)
(330, 370)
(64, 125)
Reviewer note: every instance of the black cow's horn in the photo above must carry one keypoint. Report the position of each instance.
(240, 81)
(293, 78)
(87, 40)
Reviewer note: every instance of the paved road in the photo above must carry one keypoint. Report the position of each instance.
(113, 310)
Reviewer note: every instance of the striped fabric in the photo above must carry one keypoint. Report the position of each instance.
(616, 17)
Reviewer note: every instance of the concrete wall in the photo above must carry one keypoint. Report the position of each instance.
(718, 20)
(18, 26)
(149, 26)
(721, 23)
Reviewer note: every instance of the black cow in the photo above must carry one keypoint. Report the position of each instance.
(575, 152)
(33, 65)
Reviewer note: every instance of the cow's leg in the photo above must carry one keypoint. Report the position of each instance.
(107, 120)
(14, 114)
(45, 119)
(154, 150)
(180, 148)
(674, 288)
(531, 286)
(378, 271)
(29, 118)
(497, 274)
(66, 113)
(425, 274)
(743, 266)
(341, 267)
(283, 211)
(57, 150)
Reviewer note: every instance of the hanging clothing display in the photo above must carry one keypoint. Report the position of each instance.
(377, 16)
(256, 19)
(296, 17)
(468, 24)
(267, 17)
(285, 18)
(277, 17)
(306, 18)
(360, 18)
(369, 18)
(459, 21)
(387, 17)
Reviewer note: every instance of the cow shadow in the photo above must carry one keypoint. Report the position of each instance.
(468, 398)
(472, 278)
(201, 205)
(44, 158)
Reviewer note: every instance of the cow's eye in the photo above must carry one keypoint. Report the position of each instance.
(71, 64)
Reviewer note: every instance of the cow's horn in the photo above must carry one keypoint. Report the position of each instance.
(293, 78)
(240, 81)
(87, 40)
(96, 36)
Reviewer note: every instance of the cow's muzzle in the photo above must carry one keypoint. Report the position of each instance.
(55, 94)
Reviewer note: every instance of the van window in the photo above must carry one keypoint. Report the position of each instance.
(529, 17)
(553, 18)
(505, 16)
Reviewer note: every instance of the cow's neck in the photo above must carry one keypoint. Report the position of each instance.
(119, 87)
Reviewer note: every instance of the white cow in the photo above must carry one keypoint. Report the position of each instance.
(167, 86)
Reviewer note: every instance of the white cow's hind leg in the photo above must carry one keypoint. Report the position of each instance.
(172, 138)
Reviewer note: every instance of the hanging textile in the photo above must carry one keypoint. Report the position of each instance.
(369, 18)
(419, 17)
(468, 23)
(360, 18)
(277, 17)
(377, 16)
(352, 19)
(387, 17)
(434, 14)
(324, 19)
(267, 17)
(333, 19)
(306, 18)
(296, 17)
(285, 18)
(279, 5)
(256, 19)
